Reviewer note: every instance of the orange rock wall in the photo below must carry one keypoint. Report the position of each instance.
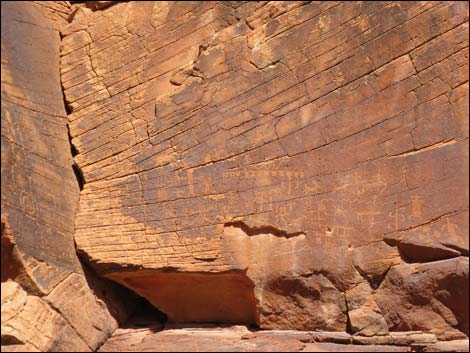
(306, 160)
(47, 303)
(313, 145)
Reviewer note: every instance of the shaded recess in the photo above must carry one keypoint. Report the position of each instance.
(252, 231)
(10, 265)
(146, 315)
(196, 297)
(76, 169)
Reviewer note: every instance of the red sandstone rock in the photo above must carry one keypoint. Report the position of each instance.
(13, 300)
(283, 148)
(449, 346)
(365, 317)
(431, 297)
(416, 251)
(98, 5)
(206, 337)
(333, 347)
(284, 164)
(333, 337)
(200, 339)
(49, 305)
(374, 260)
(50, 331)
(19, 348)
(416, 339)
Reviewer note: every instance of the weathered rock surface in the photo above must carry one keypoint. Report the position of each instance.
(431, 297)
(365, 317)
(276, 141)
(202, 338)
(47, 300)
(412, 338)
(211, 338)
(280, 142)
(298, 166)
(333, 347)
(449, 346)
(37, 323)
(416, 251)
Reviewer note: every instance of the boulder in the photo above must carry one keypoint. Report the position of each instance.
(431, 297)
(365, 317)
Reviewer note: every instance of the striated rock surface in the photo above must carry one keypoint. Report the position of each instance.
(268, 149)
(47, 300)
(295, 166)
(200, 339)
(211, 338)
(449, 346)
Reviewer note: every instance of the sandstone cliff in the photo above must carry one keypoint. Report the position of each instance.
(47, 303)
(290, 165)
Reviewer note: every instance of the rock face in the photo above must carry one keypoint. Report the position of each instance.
(280, 142)
(47, 300)
(269, 150)
(290, 165)
(432, 296)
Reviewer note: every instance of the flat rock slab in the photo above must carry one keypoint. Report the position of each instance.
(201, 338)
(226, 338)
(449, 346)
(335, 347)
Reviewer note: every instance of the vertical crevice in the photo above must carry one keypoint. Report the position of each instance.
(79, 176)
(348, 320)
(76, 169)
(67, 107)
(73, 150)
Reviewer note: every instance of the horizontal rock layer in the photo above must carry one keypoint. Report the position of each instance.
(200, 338)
